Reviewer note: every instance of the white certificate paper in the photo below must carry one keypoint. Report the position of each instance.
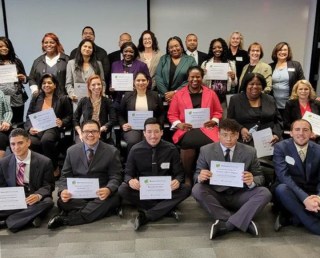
(83, 188)
(226, 173)
(8, 73)
(43, 120)
(12, 198)
(80, 90)
(197, 116)
(122, 81)
(262, 143)
(217, 71)
(314, 120)
(137, 118)
(155, 187)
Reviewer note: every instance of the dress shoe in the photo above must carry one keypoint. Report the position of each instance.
(3, 224)
(218, 228)
(174, 214)
(37, 222)
(281, 221)
(253, 229)
(57, 221)
(140, 220)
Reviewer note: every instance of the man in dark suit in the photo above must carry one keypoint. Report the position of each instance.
(221, 201)
(116, 55)
(102, 56)
(153, 157)
(192, 46)
(297, 166)
(32, 171)
(91, 158)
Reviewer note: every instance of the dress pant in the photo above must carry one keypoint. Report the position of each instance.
(154, 209)
(239, 207)
(82, 211)
(288, 200)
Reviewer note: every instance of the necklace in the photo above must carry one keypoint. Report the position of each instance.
(191, 91)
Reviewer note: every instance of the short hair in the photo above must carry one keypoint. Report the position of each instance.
(133, 46)
(229, 125)
(90, 121)
(55, 38)
(89, 80)
(224, 55)
(241, 39)
(249, 77)
(294, 93)
(191, 34)
(53, 79)
(300, 120)
(19, 132)
(153, 38)
(277, 48)
(179, 41)
(151, 121)
(143, 73)
(256, 44)
(195, 67)
(88, 27)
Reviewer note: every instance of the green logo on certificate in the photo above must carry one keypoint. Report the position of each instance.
(217, 165)
(146, 181)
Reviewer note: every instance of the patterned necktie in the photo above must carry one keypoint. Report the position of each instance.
(154, 162)
(302, 155)
(89, 155)
(20, 175)
(227, 156)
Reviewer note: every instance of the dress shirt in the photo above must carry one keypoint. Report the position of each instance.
(231, 151)
(194, 54)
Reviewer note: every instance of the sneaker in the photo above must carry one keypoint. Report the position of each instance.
(218, 228)
(253, 229)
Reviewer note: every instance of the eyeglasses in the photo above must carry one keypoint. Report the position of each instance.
(87, 132)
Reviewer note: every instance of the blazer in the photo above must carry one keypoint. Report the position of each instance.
(182, 100)
(61, 106)
(262, 68)
(202, 57)
(128, 103)
(153, 66)
(241, 58)
(239, 109)
(180, 76)
(290, 171)
(41, 179)
(39, 68)
(292, 111)
(114, 56)
(295, 72)
(242, 154)
(105, 166)
(84, 110)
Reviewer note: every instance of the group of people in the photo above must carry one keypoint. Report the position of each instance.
(253, 96)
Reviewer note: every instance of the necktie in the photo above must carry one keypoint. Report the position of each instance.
(302, 155)
(89, 155)
(154, 162)
(227, 156)
(20, 175)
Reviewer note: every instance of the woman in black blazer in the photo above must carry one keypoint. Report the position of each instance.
(141, 99)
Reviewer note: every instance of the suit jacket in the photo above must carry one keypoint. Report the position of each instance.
(182, 100)
(84, 111)
(292, 111)
(239, 109)
(61, 106)
(180, 76)
(41, 179)
(242, 154)
(261, 68)
(128, 103)
(153, 66)
(290, 171)
(114, 56)
(202, 57)
(105, 166)
(241, 58)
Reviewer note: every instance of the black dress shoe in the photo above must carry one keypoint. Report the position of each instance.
(218, 228)
(253, 229)
(281, 221)
(37, 222)
(57, 221)
(140, 220)
(3, 224)
(174, 213)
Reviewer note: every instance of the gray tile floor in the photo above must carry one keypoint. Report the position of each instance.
(115, 237)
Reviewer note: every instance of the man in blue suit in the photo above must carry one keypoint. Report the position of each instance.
(297, 166)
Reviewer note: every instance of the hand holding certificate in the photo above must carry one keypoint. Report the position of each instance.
(262, 142)
(226, 173)
(12, 198)
(122, 81)
(83, 188)
(217, 71)
(8, 73)
(155, 187)
(43, 120)
(197, 116)
(137, 118)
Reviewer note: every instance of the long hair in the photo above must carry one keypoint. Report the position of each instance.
(241, 39)
(180, 43)
(11, 56)
(294, 94)
(93, 58)
(224, 54)
(54, 79)
(153, 38)
(55, 38)
(90, 79)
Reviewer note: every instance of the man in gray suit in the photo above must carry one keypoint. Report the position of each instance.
(231, 207)
(32, 171)
(90, 159)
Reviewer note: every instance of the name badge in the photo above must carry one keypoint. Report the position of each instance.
(239, 58)
(290, 160)
(165, 165)
(291, 69)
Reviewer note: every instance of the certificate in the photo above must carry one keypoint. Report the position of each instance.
(137, 118)
(80, 90)
(83, 188)
(155, 187)
(197, 116)
(12, 198)
(226, 173)
(262, 143)
(122, 81)
(43, 120)
(217, 71)
(8, 73)
(314, 120)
